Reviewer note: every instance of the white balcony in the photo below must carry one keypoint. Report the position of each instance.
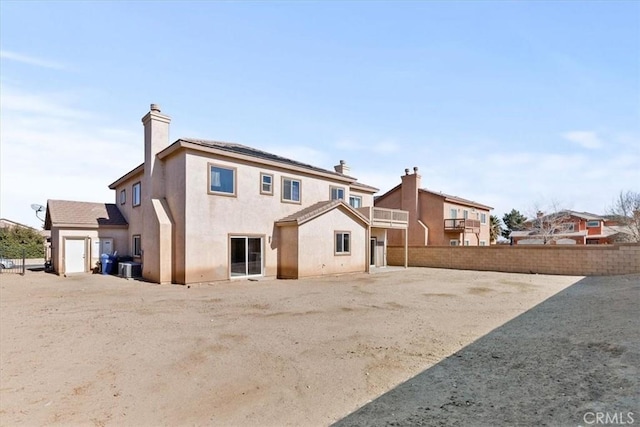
(386, 218)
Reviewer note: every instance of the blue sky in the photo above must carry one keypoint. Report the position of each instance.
(512, 104)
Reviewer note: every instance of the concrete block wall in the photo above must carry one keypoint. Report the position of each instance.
(582, 260)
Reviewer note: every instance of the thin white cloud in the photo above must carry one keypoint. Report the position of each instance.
(585, 139)
(30, 60)
(56, 151)
(50, 105)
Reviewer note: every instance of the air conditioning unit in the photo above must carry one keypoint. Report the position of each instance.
(129, 270)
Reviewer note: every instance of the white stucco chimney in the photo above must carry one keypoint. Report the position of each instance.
(156, 139)
(342, 168)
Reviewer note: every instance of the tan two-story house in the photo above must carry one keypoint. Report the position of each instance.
(436, 219)
(199, 210)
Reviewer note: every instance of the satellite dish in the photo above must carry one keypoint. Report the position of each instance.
(38, 208)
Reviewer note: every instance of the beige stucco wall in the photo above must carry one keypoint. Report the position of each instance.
(119, 236)
(203, 222)
(211, 218)
(316, 248)
(133, 215)
(175, 195)
(576, 260)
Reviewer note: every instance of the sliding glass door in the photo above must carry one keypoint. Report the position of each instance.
(246, 256)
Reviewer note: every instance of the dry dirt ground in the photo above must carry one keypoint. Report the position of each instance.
(100, 350)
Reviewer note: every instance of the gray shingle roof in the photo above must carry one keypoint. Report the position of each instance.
(87, 214)
(254, 152)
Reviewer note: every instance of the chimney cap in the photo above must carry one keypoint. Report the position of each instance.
(415, 169)
(406, 171)
(155, 107)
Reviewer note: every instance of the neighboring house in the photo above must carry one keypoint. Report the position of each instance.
(437, 219)
(7, 223)
(569, 228)
(198, 211)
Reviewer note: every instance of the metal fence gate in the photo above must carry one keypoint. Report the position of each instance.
(13, 265)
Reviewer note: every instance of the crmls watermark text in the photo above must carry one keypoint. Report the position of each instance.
(608, 418)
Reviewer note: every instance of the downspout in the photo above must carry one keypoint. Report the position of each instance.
(426, 232)
(406, 247)
(367, 252)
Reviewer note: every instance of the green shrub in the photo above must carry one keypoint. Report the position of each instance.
(13, 240)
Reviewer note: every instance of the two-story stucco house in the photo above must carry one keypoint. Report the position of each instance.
(436, 219)
(198, 211)
(569, 227)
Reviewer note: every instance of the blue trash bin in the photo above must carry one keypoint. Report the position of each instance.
(106, 263)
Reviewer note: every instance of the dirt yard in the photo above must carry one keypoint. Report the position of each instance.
(100, 350)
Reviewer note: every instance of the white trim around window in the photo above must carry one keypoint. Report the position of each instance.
(454, 242)
(123, 196)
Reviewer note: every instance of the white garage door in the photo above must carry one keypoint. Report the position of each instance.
(74, 256)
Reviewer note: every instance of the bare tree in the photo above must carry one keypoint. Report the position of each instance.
(626, 213)
(551, 225)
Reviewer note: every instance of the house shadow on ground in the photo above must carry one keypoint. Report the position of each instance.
(567, 361)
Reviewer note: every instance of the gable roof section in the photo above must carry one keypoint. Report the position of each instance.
(317, 209)
(240, 151)
(139, 170)
(446, 197)
(7, 223)
(586, 215)
(456, 199)
(67, 213)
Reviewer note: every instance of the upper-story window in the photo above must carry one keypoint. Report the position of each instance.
(123, 196)
(567, 226)
(222, 180)
(355, 201)
(483, 218)
(453, 213)
(266, 184)
(337, 193)
(291, 190)
(591, 224)
(465, 214)
(137, 194)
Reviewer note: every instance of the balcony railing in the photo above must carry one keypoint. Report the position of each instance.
(386, 218)
(462, 225)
